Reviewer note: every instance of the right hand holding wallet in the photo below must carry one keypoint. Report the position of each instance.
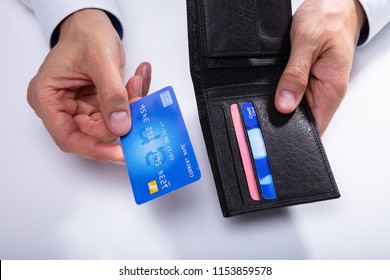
(260, 158)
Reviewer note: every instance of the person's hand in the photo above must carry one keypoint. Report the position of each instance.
(323, 37)
(79, 92)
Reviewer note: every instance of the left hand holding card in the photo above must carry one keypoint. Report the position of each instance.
(158, 151)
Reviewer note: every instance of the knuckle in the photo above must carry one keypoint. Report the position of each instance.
(31, 89)
(335, 92)
(113, 97)
(310, 34)
(99, 55)
(296, 76)
(61, 144)
(341, 88)
(61, 134)
(63, 147)
(339, 84)
(32, 96)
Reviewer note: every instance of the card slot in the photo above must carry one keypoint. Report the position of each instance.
(227, 165)
(222, 160)
(231, 157)
(236, 157)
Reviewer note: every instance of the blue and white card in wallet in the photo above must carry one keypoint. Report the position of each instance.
(259, 151)
(158, 151)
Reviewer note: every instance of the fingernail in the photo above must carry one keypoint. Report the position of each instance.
(286, 100)
(146, 72)
(118, 162)
(120, 122)
(136, 86)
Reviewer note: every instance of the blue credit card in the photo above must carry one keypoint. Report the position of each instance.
(259, 151)
(158, 151)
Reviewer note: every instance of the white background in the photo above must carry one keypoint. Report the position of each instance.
(59, 206)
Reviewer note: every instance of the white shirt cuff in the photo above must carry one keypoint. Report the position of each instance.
(378, 15)
(50, 13)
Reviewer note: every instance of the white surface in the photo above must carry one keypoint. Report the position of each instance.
(58, 206)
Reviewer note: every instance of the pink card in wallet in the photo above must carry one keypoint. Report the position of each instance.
(244, 152)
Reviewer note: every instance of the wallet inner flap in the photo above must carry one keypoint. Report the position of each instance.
(237, 42)
(244, 28)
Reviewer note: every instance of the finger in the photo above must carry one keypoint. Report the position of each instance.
(134, 88)
(88, 105)
(94, 125)
(92, 148)
(89, 119)
(65, 132)
(294, 79)
(145, 71)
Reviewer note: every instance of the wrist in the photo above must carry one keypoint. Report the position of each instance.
(84, 22)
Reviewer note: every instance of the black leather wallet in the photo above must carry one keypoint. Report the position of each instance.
(238, 50)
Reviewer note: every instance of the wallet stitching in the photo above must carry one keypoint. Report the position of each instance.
(321, 149)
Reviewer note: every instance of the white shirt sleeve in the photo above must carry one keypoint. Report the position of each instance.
(50, 13)
(378, 15)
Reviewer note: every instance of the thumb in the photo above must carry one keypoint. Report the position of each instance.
(113, 99)
(293, 82)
